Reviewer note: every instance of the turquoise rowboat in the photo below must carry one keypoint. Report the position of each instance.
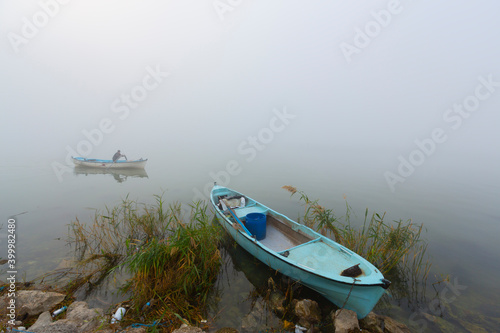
(109, 164)
(340, 275)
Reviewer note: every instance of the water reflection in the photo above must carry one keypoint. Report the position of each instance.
(243, 300)
(243, 282)
(258, 274)
(239, 300)
(120, 175)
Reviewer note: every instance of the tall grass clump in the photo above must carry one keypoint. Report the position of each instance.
(178, 270)
(393, 247)
(170, 260)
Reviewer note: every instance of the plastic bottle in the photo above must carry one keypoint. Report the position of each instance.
(61, 310)
(299, 329)
(118, 315)
(145, 306)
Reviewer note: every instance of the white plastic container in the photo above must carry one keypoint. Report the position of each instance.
(61, 310)
(118, 315)
(299, 329)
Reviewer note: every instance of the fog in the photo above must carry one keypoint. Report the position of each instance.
(360, 83)
(391, 104)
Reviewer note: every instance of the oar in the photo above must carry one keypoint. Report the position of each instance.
(126, 159)
(236, 217)
(110, 165)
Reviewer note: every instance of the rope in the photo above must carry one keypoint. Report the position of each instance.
(348, 295)
(155, 323)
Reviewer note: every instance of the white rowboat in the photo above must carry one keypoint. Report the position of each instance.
(109, 164)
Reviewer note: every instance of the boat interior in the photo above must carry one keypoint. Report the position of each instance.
(289, 238)
(281, 234)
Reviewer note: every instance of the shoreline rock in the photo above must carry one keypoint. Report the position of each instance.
(345, 321)
(308, 312)
(79, 318)
(32, 302)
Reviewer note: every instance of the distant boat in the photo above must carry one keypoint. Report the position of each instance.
(340, 275)
(109, 164)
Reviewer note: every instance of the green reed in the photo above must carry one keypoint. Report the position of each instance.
(180, 268)
(171, 259)
(390, 246)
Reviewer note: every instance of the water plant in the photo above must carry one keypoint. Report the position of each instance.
(394, 247)
(170, 258)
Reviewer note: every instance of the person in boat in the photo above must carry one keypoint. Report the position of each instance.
(117, 156)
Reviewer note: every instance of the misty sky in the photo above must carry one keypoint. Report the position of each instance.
(395, 104)
(361, 79)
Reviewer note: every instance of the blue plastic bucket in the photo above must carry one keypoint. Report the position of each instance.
(256, 224)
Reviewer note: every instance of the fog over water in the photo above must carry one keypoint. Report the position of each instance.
(394, 104)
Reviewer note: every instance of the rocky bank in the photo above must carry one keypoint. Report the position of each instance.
(79, 318)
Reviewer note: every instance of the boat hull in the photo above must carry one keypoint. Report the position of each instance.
(109, 164)
(306, 264)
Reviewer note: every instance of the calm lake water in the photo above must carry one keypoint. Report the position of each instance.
(459, 211)
(392, 104)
